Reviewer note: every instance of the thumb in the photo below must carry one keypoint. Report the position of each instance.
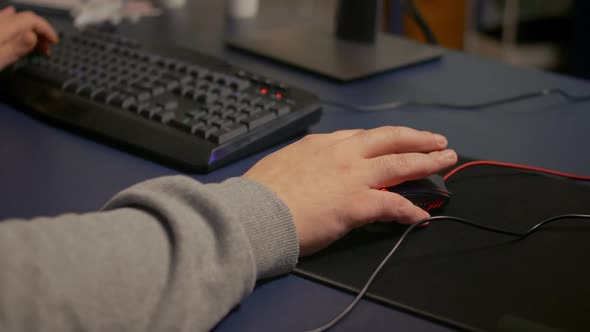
(17, 47)
(376, 205)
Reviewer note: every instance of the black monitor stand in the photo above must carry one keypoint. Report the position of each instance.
(355, 50)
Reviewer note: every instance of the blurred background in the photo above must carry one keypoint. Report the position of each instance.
(550, 35)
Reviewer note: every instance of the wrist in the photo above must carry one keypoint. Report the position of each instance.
(267, 222)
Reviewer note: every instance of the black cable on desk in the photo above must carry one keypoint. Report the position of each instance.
(437, 219)
(465, 107)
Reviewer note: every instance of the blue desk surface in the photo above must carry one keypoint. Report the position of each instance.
(46, 171)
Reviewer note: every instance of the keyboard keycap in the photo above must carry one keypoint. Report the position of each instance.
(121, 100)
(185, 124)
(225, 134)
(151, 111)
(164, 117)
(168, 104)
(281, 110)
(259, 119)
(86, 91)
(238, 84)
(205, 131)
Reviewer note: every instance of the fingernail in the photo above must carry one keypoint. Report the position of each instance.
(440, 139)
(447, 154)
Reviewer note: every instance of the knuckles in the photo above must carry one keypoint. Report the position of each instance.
(27, 15)
(393, 132)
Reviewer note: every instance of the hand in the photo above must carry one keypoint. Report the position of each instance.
(20, 33)
(330, 182)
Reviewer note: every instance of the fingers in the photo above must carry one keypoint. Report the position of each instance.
(21, 33)
(7, 11)
(390, 170)
(43, 47)
(19, 23)
(389, 140)
(16, 48)
(376, 205)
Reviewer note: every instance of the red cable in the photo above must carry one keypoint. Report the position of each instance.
(518, 166)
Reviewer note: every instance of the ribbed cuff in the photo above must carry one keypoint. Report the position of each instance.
(267, 221)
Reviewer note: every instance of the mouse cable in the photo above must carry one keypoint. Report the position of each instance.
(410, 7)
(466, 222)
(438, 219)
(465, 107)
(516, 166)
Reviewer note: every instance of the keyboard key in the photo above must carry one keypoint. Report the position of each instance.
(203, 86)
(221, 79)
(210, 98)
(102, 95)
(121, 100)
(197, 71)
(237, 117)
(164, 117)
(255, 100)
(225, 134)
(164, 61)
(205, 131)
(182, 90)
(238, 84)
(128, 102)
(199, 96)
(264, 104)
(224, 123)
(198, 114)
(167, 83)
(216, 110)
(86, 91)
(259, 119)
(231, 106)
(142, 96)
(213, 120)
(71, 85)
(228, 112)
(137, 108)
(281, 110)
(150, 111)
(95, 92)
(153, 89)
(168, 104)
(250, 111)
(185, 124)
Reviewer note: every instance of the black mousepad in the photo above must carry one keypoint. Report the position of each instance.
(476, 280)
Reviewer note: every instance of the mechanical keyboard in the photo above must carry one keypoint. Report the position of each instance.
(179, 107)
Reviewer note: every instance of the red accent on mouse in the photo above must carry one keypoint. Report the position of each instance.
(430, 193)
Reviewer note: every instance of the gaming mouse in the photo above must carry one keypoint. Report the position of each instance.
(430, 193)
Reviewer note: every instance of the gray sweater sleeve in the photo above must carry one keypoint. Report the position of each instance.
(169, 254)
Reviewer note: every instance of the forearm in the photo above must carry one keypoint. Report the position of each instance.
(169, 254)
